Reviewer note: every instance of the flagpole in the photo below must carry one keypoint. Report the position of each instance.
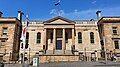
(59, 8)
(23, 55)
(25, 42)
(58, 4)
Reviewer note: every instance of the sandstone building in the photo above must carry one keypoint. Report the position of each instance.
(109, 29)
(10, 31)
(60, 39)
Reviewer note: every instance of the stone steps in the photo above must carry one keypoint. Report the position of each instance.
(2, 49)
(58, 52)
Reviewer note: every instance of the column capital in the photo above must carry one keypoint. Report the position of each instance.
(54, 28)
(44, 29)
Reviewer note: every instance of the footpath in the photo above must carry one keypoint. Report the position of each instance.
(71, 64)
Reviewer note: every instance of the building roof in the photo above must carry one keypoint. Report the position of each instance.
(61, 18)
(109, 19)
(8, 19)
(81, 21)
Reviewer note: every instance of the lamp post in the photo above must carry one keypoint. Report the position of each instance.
(85, 54)
(96, 55)
(111, 55)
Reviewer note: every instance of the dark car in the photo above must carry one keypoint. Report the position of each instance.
(1, 64)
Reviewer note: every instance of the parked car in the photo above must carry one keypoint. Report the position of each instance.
(1, 64)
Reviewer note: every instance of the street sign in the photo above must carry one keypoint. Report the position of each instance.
(35, 61)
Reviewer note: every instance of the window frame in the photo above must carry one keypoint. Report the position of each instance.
(116, 44)
(114, 31)
(79, 37)
(27, 36)
(5, 32)
(27, 40)
(92, 38)
(38, 38)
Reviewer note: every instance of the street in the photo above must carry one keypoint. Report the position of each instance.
(71, 64)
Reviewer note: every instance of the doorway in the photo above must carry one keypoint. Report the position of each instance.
(59, 45)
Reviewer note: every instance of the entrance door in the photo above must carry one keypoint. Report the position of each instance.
(59, 45)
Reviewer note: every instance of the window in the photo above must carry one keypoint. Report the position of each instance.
(21, 45)
(79, 37)
(114, 30)
(2, 40)
(116, 42)
(91, 37)
(66, 37)
(5, 30)
(27, 40)
(27, 37)
(38, 37)
(51, 37)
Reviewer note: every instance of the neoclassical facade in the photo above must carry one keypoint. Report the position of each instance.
(60, 39)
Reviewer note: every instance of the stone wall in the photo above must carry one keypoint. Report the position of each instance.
(53, 58)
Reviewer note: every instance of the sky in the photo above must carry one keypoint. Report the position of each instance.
(70, 9)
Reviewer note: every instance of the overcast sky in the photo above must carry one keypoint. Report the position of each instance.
(71, 9)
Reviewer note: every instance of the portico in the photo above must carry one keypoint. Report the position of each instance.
(57, 33)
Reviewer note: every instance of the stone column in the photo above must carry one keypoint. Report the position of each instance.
(54, 40)
(73, 37)
(45, 39)
(45, 43)
(63, 41)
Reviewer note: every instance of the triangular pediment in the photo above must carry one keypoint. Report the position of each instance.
(59, 20)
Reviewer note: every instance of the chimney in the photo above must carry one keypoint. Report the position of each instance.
(20, 15)
(98, 14)
(1, 14)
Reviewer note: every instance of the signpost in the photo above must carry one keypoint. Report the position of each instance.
(35, 61)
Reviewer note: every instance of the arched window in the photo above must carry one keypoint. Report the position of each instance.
(27, 40)
(66, 37)
(91, 37)
(79, 37)
(38, 37)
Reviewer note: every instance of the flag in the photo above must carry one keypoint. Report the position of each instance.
(23, 36)
(58, 3)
